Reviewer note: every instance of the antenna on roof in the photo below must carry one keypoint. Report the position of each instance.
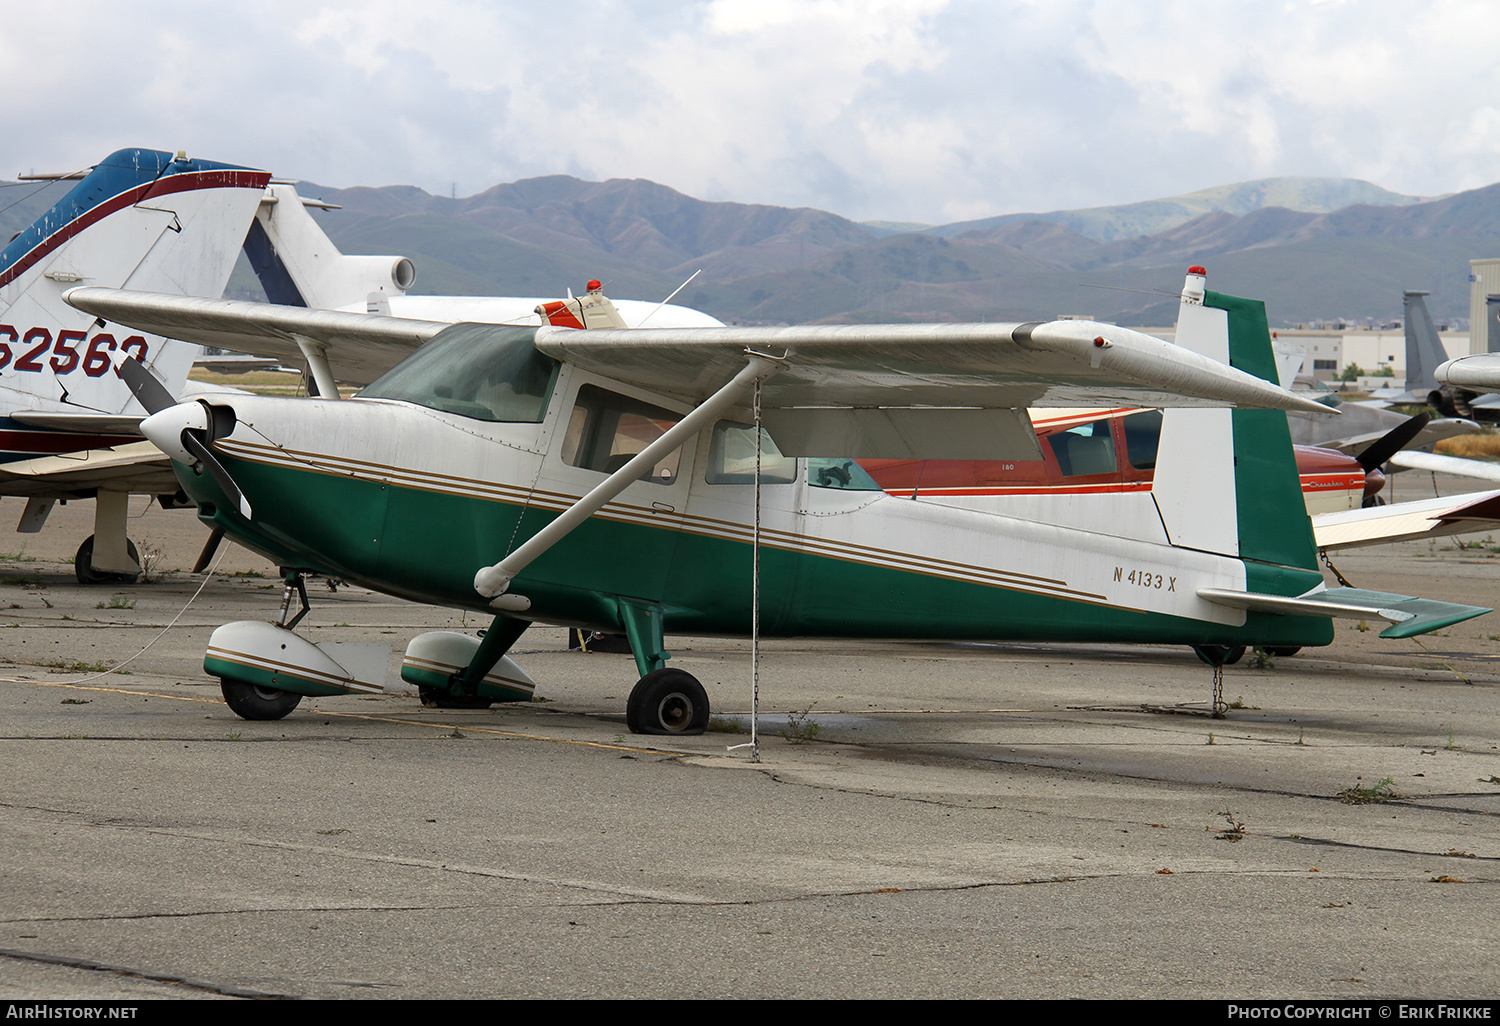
(642, 322)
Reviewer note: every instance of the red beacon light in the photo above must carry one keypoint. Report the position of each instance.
(1193, 285)
(593, 285)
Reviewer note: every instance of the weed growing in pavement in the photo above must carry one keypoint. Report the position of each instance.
(801, 727)
(1381, 792)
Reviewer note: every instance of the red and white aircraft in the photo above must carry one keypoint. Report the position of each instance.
(1113, 452)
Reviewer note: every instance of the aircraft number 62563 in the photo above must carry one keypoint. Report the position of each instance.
(1146, 579)
(35, 343)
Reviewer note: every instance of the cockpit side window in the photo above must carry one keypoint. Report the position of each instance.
(1084, 450)
(481, 371)
(606, 429)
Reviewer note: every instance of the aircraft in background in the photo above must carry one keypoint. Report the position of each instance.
(1424, 354)
(626, 481)
(1425, 384)
(1473, 374)
(299, 266)
(140, 219)
(1086, 454)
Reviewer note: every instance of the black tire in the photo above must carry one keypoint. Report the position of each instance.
(437, 698)
(83, 565)
(252, 702)
(1218, 655)
(1284, 650)
(667, 701)
(1235, 655)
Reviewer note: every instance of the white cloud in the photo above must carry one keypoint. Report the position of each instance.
(901, 109)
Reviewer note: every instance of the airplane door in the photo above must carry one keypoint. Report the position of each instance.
(628, 545)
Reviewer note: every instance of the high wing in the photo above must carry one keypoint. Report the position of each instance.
(955, 391)
(361, 347)
(949, 391)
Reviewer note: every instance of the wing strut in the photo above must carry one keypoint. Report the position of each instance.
(492, 581)
(316, 355)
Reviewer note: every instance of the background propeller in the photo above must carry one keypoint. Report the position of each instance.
(1392, 442)
(150, 393)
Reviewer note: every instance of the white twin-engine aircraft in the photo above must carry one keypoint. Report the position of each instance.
(620, 480)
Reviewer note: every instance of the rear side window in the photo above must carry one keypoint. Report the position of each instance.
(1142, 435)
(731, 457)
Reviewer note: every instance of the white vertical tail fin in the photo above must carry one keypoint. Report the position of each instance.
(1226, 481)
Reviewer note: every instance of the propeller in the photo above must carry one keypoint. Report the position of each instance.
(184, 431)
(1392, 442)
(221, 422)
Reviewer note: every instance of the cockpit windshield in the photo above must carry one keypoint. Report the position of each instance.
(482, 371)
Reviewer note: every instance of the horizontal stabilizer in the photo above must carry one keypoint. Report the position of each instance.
(1407, 615)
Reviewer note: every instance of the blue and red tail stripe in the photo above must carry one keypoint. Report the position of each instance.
(124, 178)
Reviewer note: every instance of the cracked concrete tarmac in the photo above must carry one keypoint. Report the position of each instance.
(971, 821)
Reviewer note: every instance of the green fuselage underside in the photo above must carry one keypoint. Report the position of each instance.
(426, 546)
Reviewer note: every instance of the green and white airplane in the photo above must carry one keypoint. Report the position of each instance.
(623, 479)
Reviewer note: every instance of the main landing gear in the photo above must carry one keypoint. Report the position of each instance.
(252, 702)
(83, 565)
(663, 701)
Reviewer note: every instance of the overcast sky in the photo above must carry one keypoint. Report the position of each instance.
(921, 110)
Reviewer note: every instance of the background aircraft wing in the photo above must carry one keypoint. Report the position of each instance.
(138, 467)
(1434, 432)
(1480, 372)
(361, 347)
(1424, 518)
(81, 421)
(1440, 464)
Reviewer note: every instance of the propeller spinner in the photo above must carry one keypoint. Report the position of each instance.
(184, 431)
